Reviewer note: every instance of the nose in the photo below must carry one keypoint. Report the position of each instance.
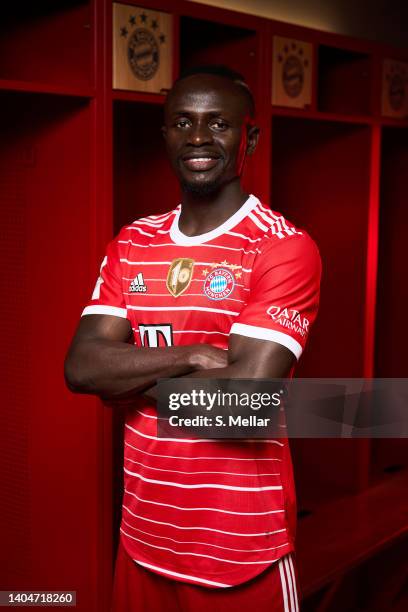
(200, 134)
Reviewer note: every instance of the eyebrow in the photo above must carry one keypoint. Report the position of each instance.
(186, 113)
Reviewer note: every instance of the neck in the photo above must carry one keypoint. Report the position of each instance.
(201, 214)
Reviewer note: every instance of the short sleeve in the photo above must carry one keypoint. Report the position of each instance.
(284, 293)
(107, 297)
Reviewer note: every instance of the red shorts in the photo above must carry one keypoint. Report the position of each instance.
(137, 589)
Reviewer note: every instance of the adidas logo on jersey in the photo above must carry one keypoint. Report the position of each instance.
(137, 285)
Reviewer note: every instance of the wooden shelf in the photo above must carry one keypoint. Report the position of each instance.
(46, 88)
(281, 111)
(138, 97)
(390, 122)
(345, 533)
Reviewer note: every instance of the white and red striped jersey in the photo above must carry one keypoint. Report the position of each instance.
(214, 513)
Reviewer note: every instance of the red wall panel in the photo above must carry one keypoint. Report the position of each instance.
(51, 455)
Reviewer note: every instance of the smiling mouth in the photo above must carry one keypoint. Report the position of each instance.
(200, 164)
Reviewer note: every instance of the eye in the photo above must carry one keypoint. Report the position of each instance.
(219, 124)
(182, 123)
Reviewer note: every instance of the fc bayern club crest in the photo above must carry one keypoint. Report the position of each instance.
(219, 284)
(142, 49)
(143, 54)
(292, 72)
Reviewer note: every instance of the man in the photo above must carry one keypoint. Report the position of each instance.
(219, 287)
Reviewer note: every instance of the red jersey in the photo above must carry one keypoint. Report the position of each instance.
(214, 513)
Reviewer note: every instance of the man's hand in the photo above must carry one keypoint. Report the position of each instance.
(205, 357)
(251, 358)
(245, 358)
(202, 357)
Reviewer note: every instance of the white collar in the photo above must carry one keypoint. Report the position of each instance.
(179, 238)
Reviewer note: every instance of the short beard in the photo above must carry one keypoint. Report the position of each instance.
(200, 190)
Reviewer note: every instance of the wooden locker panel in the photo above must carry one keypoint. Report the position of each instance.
(144, 183)
(392, 290)
(391, 455)
(206, 42)
(52, 516)
(48, 42)
(15, 500)
(344, 81)
(320, 181)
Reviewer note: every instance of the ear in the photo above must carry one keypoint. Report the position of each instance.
(252, 138)
(164, 131)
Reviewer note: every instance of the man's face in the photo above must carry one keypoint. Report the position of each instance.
(208, 132)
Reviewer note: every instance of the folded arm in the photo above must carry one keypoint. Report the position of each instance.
(247, 358)
(102, 361)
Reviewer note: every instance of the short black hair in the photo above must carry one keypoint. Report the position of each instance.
(225, 72)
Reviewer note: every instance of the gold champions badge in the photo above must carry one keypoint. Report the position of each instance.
(179, 275)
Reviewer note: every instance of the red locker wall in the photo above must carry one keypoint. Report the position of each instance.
(77, 161)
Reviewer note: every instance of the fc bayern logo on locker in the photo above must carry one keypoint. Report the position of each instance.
(219, 284)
